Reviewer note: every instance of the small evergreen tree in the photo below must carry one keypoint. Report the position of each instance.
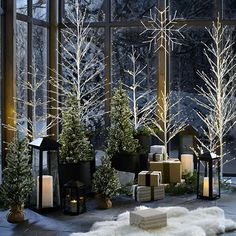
(120, 133)
(75, 145)
(106, 181)
(17, 176)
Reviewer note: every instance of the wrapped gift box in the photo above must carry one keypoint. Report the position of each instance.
(155, 157)
(148, 219)
(159, 149)
(148, 193)
(149, 178)
(171, 170)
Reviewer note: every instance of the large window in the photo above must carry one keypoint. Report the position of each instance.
(109, 18)
(121, 24)
(186, 59)
(115, 32)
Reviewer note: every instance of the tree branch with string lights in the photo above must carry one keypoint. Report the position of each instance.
(218, 94)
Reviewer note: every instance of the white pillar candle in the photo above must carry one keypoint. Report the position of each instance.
(187, 162)
(47, 191)
(206, 187)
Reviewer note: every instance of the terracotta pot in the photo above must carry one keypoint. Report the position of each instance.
(16, 214)
(104, 203)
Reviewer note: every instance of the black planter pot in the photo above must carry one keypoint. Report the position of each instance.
(129, 162)
(82, 171)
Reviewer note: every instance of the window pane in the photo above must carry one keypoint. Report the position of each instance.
(21, 6)
(21, 75)
(94, 9)
(194, 9)
(39, 9)
(131, 10)
(127, 44)
(90, 72)
(229, 9)
(39, 76)
(185, 61)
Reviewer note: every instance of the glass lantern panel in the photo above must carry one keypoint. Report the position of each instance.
(215, 178)
(82, 206)
(50, 180)
(203, 189)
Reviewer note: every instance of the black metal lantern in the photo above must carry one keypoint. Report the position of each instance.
(74, 198)
(45, 172)
(208, 176)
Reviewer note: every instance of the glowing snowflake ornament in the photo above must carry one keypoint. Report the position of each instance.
(163, 30)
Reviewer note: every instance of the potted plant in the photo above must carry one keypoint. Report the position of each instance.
(106, 183)
(17, 179)
(76, 153)
(121, 144)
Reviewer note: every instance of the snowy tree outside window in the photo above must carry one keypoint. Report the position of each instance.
(31, 114)
(40, 8)
(21, 6)
(127, 10)
(130, 56)
(194, 9)
(82, 64)
(94, 9)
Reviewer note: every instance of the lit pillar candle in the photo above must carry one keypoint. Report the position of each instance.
(47, 191)
(187, 162)
(206, 187)
(73, 206)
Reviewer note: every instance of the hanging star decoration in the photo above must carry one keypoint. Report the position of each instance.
(163, 30)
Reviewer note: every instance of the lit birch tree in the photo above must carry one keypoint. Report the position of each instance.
(82, 64)
(218, 95)
(40, 121)
(166, 123)
(140, 115)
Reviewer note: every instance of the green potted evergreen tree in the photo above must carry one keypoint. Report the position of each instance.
(17, 179)
(106, 183)
(76, 153)
(121, 144)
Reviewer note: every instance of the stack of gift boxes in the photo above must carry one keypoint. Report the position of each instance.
(171, 168)
(149, 187)
(151, 184)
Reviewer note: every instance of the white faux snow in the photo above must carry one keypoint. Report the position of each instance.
(180, 221)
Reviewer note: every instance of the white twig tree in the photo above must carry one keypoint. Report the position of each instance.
(40, 121)
(140, 115)
(82, 64)
(218, 94)
(167, 122)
